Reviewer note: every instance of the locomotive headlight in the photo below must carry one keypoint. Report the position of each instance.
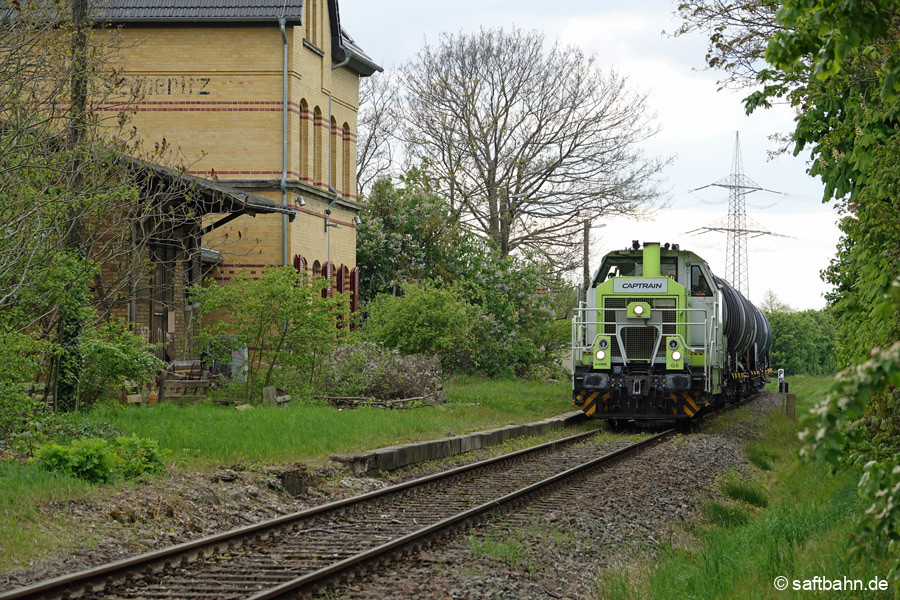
(674, 354)
(602, 358)
(638, 309)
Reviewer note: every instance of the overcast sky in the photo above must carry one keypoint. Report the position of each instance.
(698, 125)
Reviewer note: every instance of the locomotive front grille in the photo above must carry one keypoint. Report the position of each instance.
(639, 342)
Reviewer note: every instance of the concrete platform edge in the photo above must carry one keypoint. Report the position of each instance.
(394, 457)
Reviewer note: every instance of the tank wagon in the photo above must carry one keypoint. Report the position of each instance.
(659, 336)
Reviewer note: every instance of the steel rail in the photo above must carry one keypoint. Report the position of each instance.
(295, 587)
(96, 578)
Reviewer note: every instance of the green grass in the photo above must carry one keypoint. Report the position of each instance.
(203, 434)
(745, 492)
(22, 526)
(506, 545)
(725, 516)
(801, 529)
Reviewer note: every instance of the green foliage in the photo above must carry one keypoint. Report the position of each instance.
(859, 422)
(517, 326)
(425, 320)
(90, 459)
(833, 32)
(20, 413)
(499, 321)
(282, 318)
(96, 460)
(408, 235)
(802, 342)
(839, 62)
(114, 355)
(138, 456)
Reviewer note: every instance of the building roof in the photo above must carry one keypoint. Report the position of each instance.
(206, 195)
(234, 11)
(142, 11)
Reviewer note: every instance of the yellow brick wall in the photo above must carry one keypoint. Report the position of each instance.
(214, 93)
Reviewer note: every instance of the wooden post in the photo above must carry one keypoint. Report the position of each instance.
(161, 395)
(790, 405)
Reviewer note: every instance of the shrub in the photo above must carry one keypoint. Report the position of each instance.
(367, 369)
(138, 456)
(113, 356)
(20, 413)
(280, 317)
(424, 320)
(98, 461)
(90, 459)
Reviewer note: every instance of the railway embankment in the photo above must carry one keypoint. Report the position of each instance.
(616, 533)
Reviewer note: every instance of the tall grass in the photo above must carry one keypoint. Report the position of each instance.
(207, 433)
(23, 489)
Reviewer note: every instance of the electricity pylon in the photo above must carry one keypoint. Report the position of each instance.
(738, 186)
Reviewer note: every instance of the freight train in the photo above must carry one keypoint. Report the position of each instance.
(660, 337)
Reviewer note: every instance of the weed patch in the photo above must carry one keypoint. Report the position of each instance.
(725, 516)
(735, 488)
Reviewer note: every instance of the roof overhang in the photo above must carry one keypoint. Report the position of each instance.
(205, 195)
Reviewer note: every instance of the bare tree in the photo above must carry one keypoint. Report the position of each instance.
(377, 124)
(527, 141)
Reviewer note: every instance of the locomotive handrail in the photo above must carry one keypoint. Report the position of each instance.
(580, 324)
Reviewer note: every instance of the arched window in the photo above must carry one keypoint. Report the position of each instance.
(348, 163)
(304, 140)
(335, 144)
(318, 132)
(328, 273)
(300, 265)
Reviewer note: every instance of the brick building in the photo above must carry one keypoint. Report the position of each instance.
(261, 95)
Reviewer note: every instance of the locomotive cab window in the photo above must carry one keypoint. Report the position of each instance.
(668, 267)
(620, 266)
(699, 287)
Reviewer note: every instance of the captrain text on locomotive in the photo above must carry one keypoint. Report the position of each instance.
(659, 336)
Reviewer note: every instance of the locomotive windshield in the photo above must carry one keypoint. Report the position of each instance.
(633, 266)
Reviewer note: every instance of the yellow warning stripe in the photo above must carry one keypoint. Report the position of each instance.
(689, 400)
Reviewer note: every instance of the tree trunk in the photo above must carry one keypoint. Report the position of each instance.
(71, 360)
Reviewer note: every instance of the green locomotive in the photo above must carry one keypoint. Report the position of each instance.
(661, 337)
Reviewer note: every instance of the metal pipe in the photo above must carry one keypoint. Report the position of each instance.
(651, 259)
(284, 137)
(331, 160)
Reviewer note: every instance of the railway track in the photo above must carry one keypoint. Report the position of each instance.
(293, 555)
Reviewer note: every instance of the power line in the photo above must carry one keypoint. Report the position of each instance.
(735, 226)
